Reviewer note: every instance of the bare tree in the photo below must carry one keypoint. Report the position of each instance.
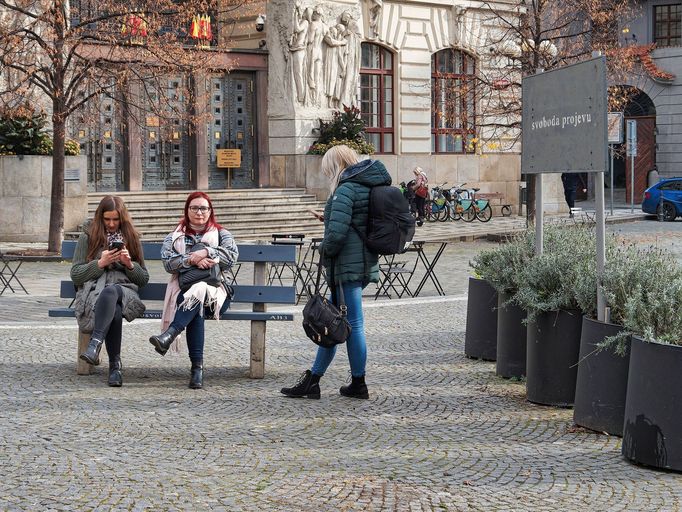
(527, 37)
(74, 52)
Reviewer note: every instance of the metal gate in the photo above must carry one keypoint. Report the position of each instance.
(97, 130)
(165, 142)
(232, 127)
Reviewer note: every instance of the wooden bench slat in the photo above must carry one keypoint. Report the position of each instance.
(248, 253)
(242, 293)
(228, 315)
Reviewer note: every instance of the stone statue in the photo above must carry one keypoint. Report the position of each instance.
(297, 48)
(315, 54)
(334, 63)
(351, 69)
(374, 12)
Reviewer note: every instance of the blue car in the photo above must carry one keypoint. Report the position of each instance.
(664, 199)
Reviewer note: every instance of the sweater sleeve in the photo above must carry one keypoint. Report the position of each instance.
(226, 251)
(138, 275)
(81, 269)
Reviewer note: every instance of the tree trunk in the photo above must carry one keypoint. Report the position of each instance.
(56, 233)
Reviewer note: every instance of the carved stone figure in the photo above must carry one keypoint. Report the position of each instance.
(315, 55)
(374, 11)
(334, 60)
(297, 48)
(351, 68)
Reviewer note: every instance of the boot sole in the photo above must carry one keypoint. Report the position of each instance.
(313, 396)
(85, 358)
(361, 397)
(157, 346)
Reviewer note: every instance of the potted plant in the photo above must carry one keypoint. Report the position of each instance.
(345, 127)
(502, 267)
(546, 292)
(652, 426)
(605, 345)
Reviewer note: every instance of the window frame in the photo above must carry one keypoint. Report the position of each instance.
(382, 72)
(667, 40)
(467, 118)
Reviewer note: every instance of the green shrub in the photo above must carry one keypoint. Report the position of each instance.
(346, 127)
(22, 131)
(503, 266)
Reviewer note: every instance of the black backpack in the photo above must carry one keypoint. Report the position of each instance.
(390, 225)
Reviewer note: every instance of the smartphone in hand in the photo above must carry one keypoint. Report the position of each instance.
(317, 215)
(116, 246)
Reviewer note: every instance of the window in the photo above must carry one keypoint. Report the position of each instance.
(667, 21)
(376, 96)
(453, 104)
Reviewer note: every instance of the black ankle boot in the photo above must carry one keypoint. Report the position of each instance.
(196, 380)
(115, 375)
(356, 389)
(308, 386)
(91, 354)
(163, 341)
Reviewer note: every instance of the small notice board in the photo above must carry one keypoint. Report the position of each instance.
(229, 158)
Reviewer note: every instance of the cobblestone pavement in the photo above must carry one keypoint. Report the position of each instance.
(440, 431)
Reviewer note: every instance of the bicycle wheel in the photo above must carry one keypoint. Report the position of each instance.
(453, 211)
(430, 211)
(485, 214)
(469, 214)
(444, 213)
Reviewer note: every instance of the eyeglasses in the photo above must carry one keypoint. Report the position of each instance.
(199, 209)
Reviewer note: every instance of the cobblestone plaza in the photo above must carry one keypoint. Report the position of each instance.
(440, 431)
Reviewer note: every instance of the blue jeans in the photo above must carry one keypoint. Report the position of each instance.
(356, 344)
(194, 322)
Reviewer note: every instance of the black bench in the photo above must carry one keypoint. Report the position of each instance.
(259, 295)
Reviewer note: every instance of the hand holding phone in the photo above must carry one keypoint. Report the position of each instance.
(116, 245)
(317, 215)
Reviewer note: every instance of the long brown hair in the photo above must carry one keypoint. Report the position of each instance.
(211, 223)
(98, 232)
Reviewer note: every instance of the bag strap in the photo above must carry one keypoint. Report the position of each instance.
(342, 302)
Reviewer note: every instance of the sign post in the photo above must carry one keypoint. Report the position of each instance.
(615, 120)
(565, 128)
(631, 148)
(227, 159)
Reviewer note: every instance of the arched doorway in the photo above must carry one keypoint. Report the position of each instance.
(639, 108)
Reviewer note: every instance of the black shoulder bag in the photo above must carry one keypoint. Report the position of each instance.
(324, 323)
(191, 275)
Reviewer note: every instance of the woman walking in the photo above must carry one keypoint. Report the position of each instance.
(348, 263)
(108, 268)
(198, 241)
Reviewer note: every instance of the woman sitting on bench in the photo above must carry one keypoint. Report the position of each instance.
(108, 267)
(198, 241)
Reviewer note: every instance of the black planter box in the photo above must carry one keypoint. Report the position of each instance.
(480, 341)
(652, 429)
(602, 380)
(511, 339)
(552, 356)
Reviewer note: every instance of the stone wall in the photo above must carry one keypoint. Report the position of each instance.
(25, 189)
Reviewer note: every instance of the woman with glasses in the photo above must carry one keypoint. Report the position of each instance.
(198, 241)
(108, 267)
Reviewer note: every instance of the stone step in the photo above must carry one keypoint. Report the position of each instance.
(249, 214)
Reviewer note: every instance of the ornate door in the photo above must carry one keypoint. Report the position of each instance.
(232, 127)
(98, 132)
(165, 143)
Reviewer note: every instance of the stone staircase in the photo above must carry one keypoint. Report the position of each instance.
(249, 214)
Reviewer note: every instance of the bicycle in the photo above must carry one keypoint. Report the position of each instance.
(479, 209)
(458, 201)
(436, 208)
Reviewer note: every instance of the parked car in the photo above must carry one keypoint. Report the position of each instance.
(664, 199)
